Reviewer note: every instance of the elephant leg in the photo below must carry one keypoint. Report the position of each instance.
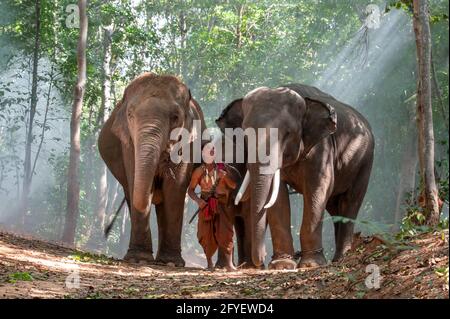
(140, 249)
(246, 261)
(170, 223)
(349, 205)
(239, 228)
(315, 200)
(333, 210)
(279, 220)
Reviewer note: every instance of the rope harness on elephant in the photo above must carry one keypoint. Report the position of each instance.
(301, 253)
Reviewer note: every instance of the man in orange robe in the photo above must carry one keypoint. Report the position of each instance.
(215, 226)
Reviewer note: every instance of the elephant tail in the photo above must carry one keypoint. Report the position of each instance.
(111, 224)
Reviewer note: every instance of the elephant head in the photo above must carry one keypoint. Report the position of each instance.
(301, 123)
(151, 107)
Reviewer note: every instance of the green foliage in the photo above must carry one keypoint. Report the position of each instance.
(85, 257)
(442, 272)
(20, 276)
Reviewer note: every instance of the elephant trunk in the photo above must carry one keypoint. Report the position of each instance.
(260, 188)
(149, 143)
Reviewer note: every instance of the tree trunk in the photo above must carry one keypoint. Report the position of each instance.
(183, 33)
(73, 182)
(27, 175)
(240, 13)
(425, 111)
(96, 239)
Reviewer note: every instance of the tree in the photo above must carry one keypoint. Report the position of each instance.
(425, 111)
(105, 107)
(32, 111)
(73, 182)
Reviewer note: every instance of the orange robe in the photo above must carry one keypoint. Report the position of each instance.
(215, 227)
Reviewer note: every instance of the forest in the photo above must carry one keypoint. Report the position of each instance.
(64, 66)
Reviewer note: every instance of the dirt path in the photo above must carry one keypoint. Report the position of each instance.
(31, 268)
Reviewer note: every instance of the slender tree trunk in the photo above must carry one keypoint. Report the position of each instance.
(44, 122)
(183, 33)
(73, 182)
(27, 176)
(425, 110)
(96, 239)
(240, 13)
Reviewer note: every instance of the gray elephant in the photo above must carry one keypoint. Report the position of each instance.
(278, 216)
(325, 153)
(135, 145)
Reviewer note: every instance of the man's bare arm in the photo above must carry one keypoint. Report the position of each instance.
(195, 180)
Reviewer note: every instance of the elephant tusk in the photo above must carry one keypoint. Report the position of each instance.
(276, 188)
(243, 187)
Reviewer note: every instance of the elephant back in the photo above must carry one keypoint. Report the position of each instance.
(314, 94)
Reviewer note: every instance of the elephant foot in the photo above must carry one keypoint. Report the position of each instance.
(138, 256)
(312, 259)
(282, 264)
(337, 258)
(340, 254)
(170, 260)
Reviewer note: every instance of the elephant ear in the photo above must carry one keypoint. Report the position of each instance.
(320, 121)
(120, 124)
(195, 113)
(232, 116)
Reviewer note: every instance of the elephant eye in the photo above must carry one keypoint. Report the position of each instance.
(174, 118)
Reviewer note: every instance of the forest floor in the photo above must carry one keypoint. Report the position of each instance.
(416, 268)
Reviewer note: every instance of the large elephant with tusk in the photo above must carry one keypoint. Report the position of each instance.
(135, 145)
(325, 152)
(278, 215)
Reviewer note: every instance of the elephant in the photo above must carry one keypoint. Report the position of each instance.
(325, 153)
(135, 144)
(278, 215)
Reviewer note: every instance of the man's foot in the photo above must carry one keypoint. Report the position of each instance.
(139, 256)
(230, 268)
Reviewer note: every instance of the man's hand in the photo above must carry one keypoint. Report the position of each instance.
(201, 203)
(222, 173)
